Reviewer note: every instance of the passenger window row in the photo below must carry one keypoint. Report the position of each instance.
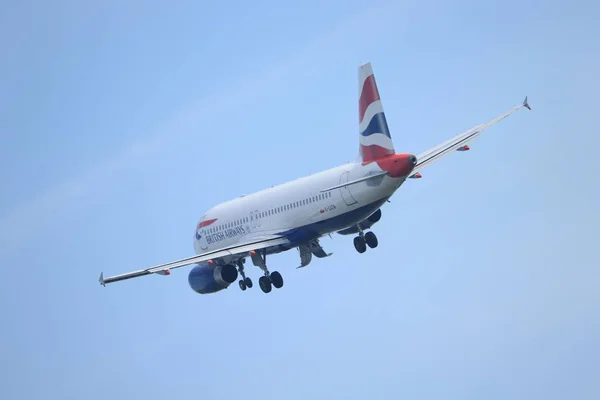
(228, 225)
(295, 204)
(273, 211)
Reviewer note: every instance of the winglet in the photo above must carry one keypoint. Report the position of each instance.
(101, 280)
(525, 104)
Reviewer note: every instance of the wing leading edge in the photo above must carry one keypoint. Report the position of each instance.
(436, 153)
(164, 269)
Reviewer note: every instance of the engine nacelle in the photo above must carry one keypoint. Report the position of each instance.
(366, 224)
(206, 279)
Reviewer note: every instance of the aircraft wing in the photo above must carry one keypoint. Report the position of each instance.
(458, 142)
(164, 269)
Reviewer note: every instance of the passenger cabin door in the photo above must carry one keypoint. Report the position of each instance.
(345, 190)
(254, 220)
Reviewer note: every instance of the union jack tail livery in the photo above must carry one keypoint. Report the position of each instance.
(374, 136)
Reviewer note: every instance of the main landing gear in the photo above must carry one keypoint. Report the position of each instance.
(245, 282)
(269, 279)
(365, 239)
(274, 278)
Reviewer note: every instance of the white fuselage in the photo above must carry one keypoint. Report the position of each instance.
(298, 209)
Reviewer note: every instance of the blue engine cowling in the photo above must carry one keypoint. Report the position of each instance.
(206, 279)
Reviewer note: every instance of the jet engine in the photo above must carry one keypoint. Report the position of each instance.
(206, 279)
(366, 224)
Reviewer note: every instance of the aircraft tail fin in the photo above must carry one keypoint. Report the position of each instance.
(375, 140)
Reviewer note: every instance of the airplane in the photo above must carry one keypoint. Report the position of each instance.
(345, 200)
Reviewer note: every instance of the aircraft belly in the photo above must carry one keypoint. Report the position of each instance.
(314, 230)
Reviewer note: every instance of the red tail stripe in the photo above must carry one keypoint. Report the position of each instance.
(373, 152)
(368, 95)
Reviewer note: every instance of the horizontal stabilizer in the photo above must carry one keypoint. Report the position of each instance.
(459, 142)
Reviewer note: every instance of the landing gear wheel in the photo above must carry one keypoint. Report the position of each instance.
(276, 279)
(371, 239)
(265, 284)
(359, 244)
(244, 282)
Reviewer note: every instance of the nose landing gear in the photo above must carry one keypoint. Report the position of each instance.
(245, 282)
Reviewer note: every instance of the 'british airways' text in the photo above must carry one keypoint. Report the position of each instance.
(225, 234)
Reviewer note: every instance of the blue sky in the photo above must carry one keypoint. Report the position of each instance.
(122, 123)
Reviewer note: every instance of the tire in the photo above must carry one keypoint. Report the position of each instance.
(276, 279)
(265, 284)
(242, 285)
(248, 282)
(371, 240)
(359, 244)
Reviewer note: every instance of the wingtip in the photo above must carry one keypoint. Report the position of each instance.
(526, 104)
